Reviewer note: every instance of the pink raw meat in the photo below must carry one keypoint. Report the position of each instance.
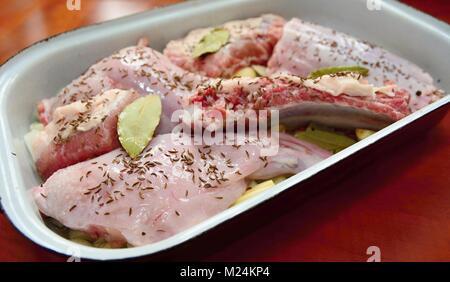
(299, 104)
(79, 131)
(137, 67)
(170, 188)
(305, 47)
(251, 43)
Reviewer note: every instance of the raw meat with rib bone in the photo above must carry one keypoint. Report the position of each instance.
(172, 187)
(147, 71)
(299, 101)
(306, 47)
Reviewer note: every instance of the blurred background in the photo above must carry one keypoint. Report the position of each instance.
(23, 22)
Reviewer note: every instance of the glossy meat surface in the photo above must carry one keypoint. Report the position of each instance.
(298, 103)
(79, 131)
(251, 43)
(170, 188)
(137, 67)
(305, 47)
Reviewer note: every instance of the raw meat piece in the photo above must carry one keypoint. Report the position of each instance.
(170, 188)
(79, 131)
(293, 157)
(137, 67)
(251, 43)
(305, 47)
(298, 103)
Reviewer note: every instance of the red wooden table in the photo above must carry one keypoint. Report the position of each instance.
(399, 203)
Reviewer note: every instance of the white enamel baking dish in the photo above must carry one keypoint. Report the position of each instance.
(41, 70)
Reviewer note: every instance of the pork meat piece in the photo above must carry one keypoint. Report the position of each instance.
(251, 43)
(168, 189)
(293, 156)
(305, 47)
(78, 131)
(137, 67)
(300, 101)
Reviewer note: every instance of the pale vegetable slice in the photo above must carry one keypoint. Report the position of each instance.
(80, 237)
(36, 126)
(363, 133)
(253, 183)
(255, 190)
(35, 131)
(279, 179)
(211, 42)
(325, 138)
(137, 123)
(302, 135)
(102, 243)
(260, 70)
(76, 234)
(245, 72)
(81, 241)
(329, 135)
(333, 70)
(253, 71)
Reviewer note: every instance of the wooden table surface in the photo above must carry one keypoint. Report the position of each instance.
(400, 204)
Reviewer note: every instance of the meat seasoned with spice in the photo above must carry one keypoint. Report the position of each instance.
(137, 67)
(306, 47)
(148, 72)
(170, 188)
(251, 42)
(78, 131)
(93, 185)
(293, 156)
(300, 101)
